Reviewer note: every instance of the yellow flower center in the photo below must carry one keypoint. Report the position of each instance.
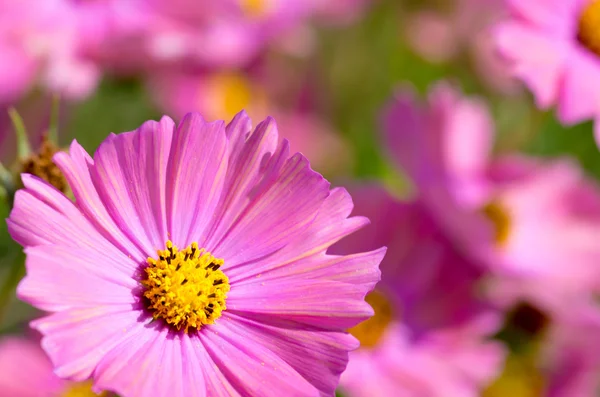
(501, 221)
(81, 389)
(520, 378)
(255, 8)
(369, 332)
(589, 27)
(185, 288)
(231, 92)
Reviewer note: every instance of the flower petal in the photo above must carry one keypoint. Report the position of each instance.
(580, 99)
(26, 370)
(76, 340)
(246, 157)
(321, 303)
(130, 175)
(538, 60)
(556, 17)
(320, 357)
(240, 360)
(75, 166)
(196, 175)
(260, 230)
(43, 216)
(60, 278)
(330, 225)
(139, 364)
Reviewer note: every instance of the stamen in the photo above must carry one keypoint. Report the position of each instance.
(185, 288)
(588, 33)
(81, 389)
(255, 8)
(501, 221)
(41, 165)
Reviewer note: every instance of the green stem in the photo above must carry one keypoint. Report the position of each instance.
(23, 146)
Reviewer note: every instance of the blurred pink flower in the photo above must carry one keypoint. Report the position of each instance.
(228, 33)
(453, 362)
(222, 94)
(39, 43)
(442, 37)
(433, 337)
(554, 48)
(26, 371)
(569, 354)
(340, 11)
(530, 220)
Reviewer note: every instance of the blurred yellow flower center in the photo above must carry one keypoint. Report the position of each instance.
(520, 378)
(589, 27)
(232, 92)
(255, 8)
(185, 288)
(81, 389)
(369, 332)
(501, 221)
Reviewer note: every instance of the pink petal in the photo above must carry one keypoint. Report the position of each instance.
(60, 278)
(404, 125)
(25, 371)
(557, 17)
(43, 216)
(293, 189)
(77, 339)
(580, 93)
(130, 175)
(247, 155)
(216, 382)
(360, 269)
(320, 357)
(322, 303)
(138, 365)
(536, 59)
(75, 166)
(196, 174)
(330, 225)
(241, 359)
(468, 135)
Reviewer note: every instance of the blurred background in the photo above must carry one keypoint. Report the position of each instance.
(334, 73)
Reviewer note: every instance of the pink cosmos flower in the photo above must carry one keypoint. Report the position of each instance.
(554, 48)
(432, 337)
(530, 220)
(26, 371)
(193, 262)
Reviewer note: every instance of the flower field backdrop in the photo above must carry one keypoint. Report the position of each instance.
(449, 177)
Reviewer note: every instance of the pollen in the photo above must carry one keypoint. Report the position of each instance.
(186, 289)
(589, 27)
(256, 8)
(501, 220)
(41, 165)
(369, 332)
